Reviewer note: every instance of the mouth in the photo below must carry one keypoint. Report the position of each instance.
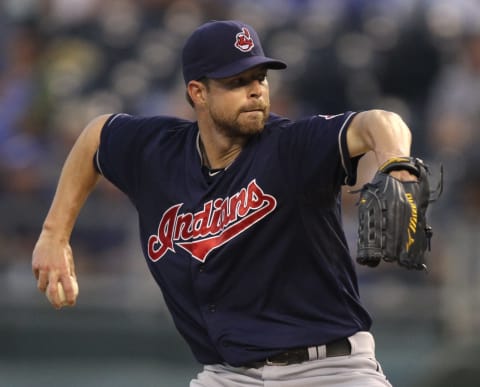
(254, 110)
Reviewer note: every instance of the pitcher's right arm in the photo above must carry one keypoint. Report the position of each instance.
(52, 258)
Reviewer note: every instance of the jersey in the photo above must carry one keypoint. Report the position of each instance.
(252, 259)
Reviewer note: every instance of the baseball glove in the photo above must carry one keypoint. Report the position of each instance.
(392, 216)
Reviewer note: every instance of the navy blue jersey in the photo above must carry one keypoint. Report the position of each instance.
(253, 259)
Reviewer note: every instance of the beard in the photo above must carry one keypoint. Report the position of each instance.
(243, 123)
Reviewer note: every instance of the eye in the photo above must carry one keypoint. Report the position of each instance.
(262, 77)
(237, 82)
(241, 81)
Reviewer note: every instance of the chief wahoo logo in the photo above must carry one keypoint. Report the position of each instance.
(243, 41)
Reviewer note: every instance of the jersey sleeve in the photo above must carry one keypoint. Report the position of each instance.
(118, 156)
(317, 150)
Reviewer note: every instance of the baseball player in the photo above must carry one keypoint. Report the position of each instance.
(239, 216)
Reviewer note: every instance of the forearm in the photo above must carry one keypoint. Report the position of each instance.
(384, 133)
(77, 180)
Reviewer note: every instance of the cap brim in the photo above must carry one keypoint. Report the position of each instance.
(242, 65)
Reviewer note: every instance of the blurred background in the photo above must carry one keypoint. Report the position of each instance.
(63, 62)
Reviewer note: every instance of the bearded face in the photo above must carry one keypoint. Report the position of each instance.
(239, 106)
(243, 121)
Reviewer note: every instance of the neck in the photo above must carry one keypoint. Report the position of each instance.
(218, 154)
(217, 146)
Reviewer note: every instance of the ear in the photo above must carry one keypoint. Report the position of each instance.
(197, 92)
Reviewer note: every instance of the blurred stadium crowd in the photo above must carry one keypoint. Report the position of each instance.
(65, 61)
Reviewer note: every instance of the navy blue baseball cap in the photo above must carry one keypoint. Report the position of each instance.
(221, 49)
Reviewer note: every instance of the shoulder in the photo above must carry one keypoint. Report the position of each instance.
(155, 122)
(311, 122)
(145, 126)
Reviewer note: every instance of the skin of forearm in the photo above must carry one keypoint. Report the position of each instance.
(77, 179)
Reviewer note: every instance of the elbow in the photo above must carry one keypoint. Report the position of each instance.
(389, 122)
(383, 117)
(380, 131)
(389, 133)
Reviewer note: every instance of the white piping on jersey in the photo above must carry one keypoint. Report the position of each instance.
(198, 148)
(342, 156)
(202, 159)
(115, 117)
(97, 161)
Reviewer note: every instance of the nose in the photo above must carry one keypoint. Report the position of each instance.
(255, 89)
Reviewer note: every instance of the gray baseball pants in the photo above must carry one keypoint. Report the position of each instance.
(359, 369)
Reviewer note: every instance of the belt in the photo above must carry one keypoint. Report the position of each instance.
(341, 347)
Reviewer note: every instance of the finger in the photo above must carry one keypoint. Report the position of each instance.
(72, 268)
(70, 261)
(69, 289)
(52, 295)
(52, 289)
(42, 280)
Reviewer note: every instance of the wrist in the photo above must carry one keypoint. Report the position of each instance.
(400, 163)
(53, 231)
(403, 175)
